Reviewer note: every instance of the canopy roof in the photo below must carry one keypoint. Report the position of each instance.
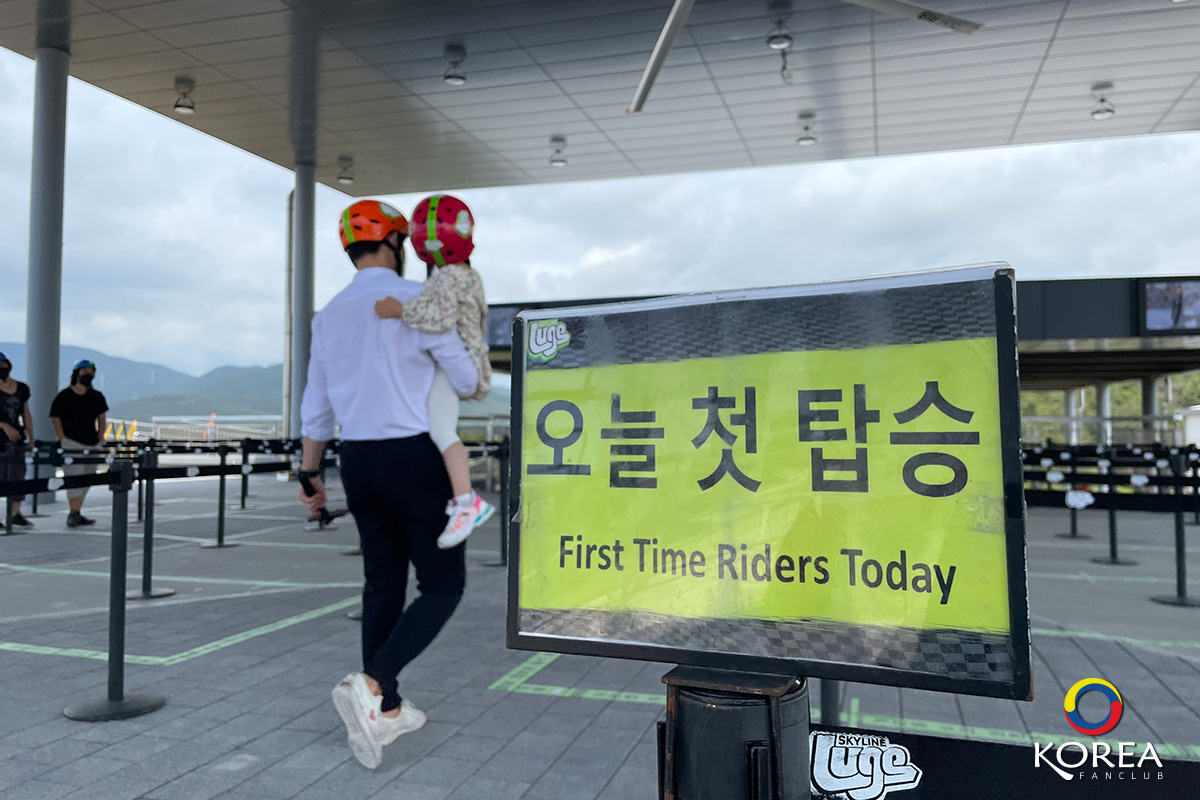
(878, 85)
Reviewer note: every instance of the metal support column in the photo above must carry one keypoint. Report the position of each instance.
(1150, 431)
(1072, 408)
(305, 58)
(44, 304)
(287, 319)
(1104, 412)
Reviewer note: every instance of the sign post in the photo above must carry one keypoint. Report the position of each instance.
(819, 481)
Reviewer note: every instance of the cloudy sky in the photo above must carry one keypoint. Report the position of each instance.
(174, 242)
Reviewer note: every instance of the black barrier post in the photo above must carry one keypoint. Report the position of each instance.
(37, 453)
(503, 449)
(223, 452)
(1196, 491)
(1180, 598)
(245, 474)
(141, 498)
(149, 464)
(830, 705)
(1113, 558)
(117, 705)
(1074, 532)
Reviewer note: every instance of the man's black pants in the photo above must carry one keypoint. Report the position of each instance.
(397, 490)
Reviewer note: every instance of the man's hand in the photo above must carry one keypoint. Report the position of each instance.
(389, 308)
(317, 501)
(12, 433)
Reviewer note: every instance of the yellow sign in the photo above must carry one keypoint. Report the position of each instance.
(680, 494)
(807, 521)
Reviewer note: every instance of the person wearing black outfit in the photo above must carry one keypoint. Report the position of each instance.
(78, 414)
(16, 431)
(374, 375)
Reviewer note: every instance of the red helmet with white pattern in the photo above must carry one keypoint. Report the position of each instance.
(442, 230)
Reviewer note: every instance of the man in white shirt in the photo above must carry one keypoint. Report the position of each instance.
(374, 376)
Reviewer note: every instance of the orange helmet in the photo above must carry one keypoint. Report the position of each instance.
(370, 221)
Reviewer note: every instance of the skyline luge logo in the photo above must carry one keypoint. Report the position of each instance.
(858, 766)
(546, 338)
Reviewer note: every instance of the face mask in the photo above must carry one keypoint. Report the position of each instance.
(4, 373)
(86, 380)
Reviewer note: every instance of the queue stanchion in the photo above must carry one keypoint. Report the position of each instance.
(141, 495)
(1113, 558)
(117, 705)
(1195, 489)
(1180, 598)
(35, 463)
(148, 592)
(245, 473)
(223, 452)
(503, 509)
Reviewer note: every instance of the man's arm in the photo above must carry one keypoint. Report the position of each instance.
(316, 409)
(451, 355)
(317, 418)
(58, 429)
(101, 426)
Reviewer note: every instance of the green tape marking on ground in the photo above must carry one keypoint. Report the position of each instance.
(588, 694)
(186, 655)
(74, 652)
(262, 630)
(185, 579)
(1110, 638)
(1087, 576)
(517, 681)
(516, 677)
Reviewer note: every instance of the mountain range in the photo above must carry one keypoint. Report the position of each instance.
(138, 390)
(141, 391)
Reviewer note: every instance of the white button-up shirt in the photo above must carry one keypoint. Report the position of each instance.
(374, 374)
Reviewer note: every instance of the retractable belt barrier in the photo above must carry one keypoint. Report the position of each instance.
(130, 462)
(1155, 478)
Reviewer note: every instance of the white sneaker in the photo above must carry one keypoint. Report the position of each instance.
(462, 522)
(358, 709)
(385, 730)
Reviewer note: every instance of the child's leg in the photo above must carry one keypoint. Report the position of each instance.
(443, 428)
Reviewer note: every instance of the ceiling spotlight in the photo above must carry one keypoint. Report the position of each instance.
(454, 74)
(806, 137)
(779, 38)
(346, 166)
(559, 157)
(1104, 109)
(185, 105)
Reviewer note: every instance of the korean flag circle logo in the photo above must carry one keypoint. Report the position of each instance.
(1115, 706)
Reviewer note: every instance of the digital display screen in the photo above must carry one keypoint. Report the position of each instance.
(1171, 306)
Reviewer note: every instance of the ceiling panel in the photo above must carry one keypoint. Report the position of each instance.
(537, 68)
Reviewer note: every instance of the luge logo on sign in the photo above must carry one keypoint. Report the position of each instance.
(1069, 757)
(859, 767)
(546, 338)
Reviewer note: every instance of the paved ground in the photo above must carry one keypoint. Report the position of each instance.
(248, 649)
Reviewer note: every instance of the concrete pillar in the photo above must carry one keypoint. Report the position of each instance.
(1104, 411)
(1071, 404)
(44, 300)
(303, 127)
(287, 318)
(303, 285)
(1150, 409)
